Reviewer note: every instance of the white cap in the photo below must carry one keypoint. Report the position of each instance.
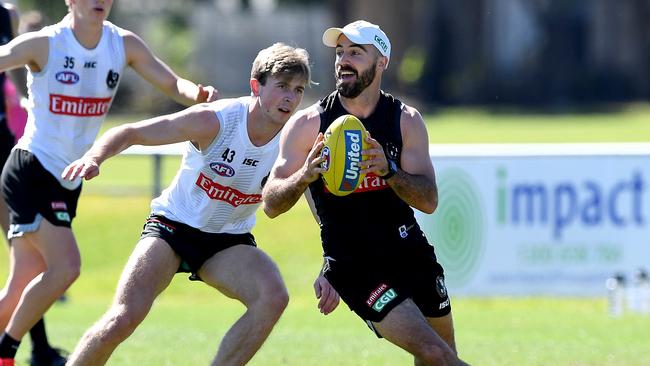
(359, 32)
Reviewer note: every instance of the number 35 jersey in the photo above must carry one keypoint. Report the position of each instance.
(219, 190)
(70, 97)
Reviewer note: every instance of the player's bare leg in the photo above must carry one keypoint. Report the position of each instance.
(249, 275)
(444, 326)
(25, 263)
(406, 327)
(58, 248)
(148, 272)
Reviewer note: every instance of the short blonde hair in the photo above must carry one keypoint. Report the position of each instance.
(281, 59)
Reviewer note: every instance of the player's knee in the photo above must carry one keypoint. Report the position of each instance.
(275, 296)
(432, 355)
(69, 273)
(74, 270)
(63, 275)
(121, 322)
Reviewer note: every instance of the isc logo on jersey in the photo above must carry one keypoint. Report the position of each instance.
(344, 139)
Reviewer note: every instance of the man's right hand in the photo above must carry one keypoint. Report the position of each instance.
(312, 168)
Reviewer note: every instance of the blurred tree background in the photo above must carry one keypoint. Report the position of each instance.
(543, 54)
(54, 9)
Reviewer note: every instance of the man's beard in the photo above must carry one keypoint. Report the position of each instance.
(353, 90)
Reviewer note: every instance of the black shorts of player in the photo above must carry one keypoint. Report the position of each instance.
(32, 193)
(375, 284)
(192, 245)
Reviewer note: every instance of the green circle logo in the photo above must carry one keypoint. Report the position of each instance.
(457, 226)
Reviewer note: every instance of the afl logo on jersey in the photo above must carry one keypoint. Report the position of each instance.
(222, 169)
(67, 77)
(111, 79)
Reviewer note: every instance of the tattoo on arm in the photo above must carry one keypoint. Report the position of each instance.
(413, 189)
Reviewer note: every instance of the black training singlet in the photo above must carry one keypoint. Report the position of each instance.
(369, 219)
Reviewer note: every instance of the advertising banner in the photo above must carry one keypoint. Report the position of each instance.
(539, 219)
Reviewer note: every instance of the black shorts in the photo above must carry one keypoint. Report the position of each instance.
(192, 245)
(375, 284)
(32, 193)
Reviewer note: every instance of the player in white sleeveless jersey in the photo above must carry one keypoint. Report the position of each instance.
(202, 222)
(74, 68)
(43, 353)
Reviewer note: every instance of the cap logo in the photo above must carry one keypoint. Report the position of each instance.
(381, 43)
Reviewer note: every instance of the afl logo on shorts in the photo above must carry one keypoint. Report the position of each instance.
(111, 79)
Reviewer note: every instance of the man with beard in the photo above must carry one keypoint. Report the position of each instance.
(376, 256)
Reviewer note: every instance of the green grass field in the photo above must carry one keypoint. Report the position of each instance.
(189, 319)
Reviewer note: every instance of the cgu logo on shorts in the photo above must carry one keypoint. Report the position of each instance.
(79, 106)
(62, 216)
(60, 211)
(380, 297)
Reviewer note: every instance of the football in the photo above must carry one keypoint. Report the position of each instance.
(344, 139)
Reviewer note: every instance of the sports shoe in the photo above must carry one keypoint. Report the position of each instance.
(6, 362)
(53, 357)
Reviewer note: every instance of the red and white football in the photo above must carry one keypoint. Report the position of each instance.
(344, 139)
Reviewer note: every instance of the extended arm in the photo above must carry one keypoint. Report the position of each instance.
(297, 165)
(152, 69)
(29, 49)
(415, 181)
(198, 124)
